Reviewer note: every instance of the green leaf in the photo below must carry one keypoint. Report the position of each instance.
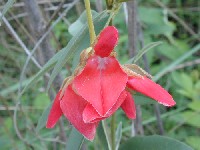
(44, 69)
(145, 12)
(194, 141)
(143, 100)
(107, 134)
(176, 62)
(6, 7)
(43, 119)
(154, 119)
(41, 101)
(78, 43)
(11, 89)
(154, 142)
(75, 140)
(143, 51)
(76, 27)
(102, 137)
(170, 51)
(187, 82)
(120, 1)
(118, 135)
(191, 118)
(158, 24)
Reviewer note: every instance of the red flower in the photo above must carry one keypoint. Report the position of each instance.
(99, 87)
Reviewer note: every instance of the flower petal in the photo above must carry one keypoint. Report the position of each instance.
(101, 83)
(55, 112)
(107, 40)
(128, 106)
(151, 89)
(90, 115)
(72, 106)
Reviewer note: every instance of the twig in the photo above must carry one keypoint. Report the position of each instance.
(132, 36)
(11, 108)
(186, 64)
(176, 62)
(36, 63)
(51, 27)
(44, 43)
(99, 5)
(138, 124)
(132, 27)
(54, 15)
(147, 68)
(159, 120)
(183, 23)
(153, 119)
(15, 35)
(22, 27)
(195, 114)
(40, 2)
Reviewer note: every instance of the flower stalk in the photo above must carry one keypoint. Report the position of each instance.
(90, 22)
(107, 134)
(113, 131)
(113, 118)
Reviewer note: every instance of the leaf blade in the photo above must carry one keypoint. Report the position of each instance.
(154, 142)
(75, 140)
(44, 69)
(42, 120)
(143, 51)
(118, 135)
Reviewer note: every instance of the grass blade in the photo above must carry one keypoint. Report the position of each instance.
(143, 51)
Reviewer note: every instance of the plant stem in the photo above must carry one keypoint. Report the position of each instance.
(113, 131)
(106, 134)
(90, 22)
(109, 4)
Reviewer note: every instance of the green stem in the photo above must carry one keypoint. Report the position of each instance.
(106, 134)
(90, 22)
(109, 4)
(113, 131)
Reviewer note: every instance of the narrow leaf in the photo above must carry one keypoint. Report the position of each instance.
(118, 135)
(154, 142)
(143, 51)
(102, 137)
(75, 140)
(105, 128)
(43, 119)
(75, 27)
(5, 92)
(176, 62)
(120, 1)
(153, 119)
(49, 65)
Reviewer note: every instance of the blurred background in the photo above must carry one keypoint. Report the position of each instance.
(168, 29)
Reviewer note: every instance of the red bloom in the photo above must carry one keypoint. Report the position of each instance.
(99, 87)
